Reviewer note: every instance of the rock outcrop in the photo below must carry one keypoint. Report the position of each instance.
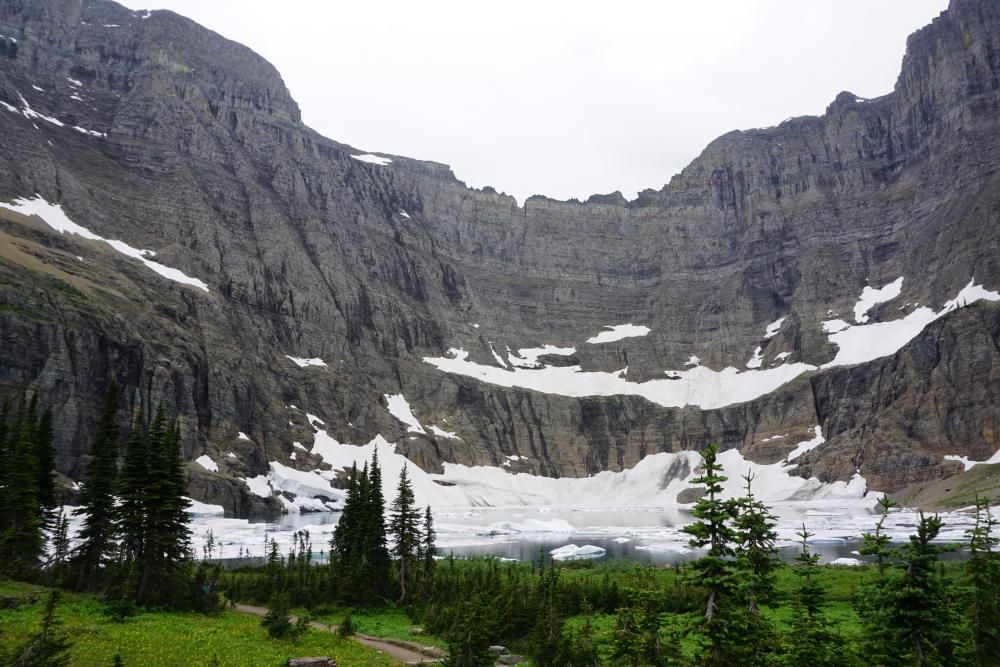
(148, 128)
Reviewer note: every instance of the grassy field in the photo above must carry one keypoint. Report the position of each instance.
(383, 622)
(167, 639)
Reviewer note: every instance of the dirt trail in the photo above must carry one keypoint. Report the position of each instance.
(410, 653)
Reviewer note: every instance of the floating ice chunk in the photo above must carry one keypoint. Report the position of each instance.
(55, 218)
(622, 540)
(846, 562)
(243, 436)
(964, 460)
(573, 552)
(757, 359)
(206, 462)
(872, 297)
(204, 509)
(618, 332)
(259, 485)
(665, 547)
(772, 329)
(558, 526)
(302, 363)
(372, 159)
(807, 445)
(833, 326)
(527, 357)
(441, 433)
(400, 409)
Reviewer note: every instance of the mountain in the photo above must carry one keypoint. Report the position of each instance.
(244, 245)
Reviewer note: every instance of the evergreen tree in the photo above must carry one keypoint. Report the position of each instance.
(131, 511)
(375, 552)
(405, 531)
(756, 555)
(48, 647)
(714, 571)
(344, 543)
(811, 641)
(877, 543)
(21, 540)
(427, 550)
(983, 569)
(97, 503)
(45, 458)
(166, 537)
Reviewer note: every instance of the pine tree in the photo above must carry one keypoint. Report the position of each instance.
(21, 540)
(427, 550)
(405, 531)
(45, 458)
(811, 641)
(877, 543)
(983, 570)
(376, 553)
(97, 504)
(131, 512)
(48, 647)
(714, 571)
(344, 543)
(756, 555)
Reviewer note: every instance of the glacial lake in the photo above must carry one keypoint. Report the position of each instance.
(643, 535)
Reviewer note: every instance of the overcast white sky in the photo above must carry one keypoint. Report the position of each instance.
(564, 98)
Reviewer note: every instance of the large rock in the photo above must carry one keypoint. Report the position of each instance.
(307, 252)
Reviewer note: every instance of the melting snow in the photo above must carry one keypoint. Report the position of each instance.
(441, 433)
(757, 359)
(872, 297)
(55, 218)
(302, 363)
(259, 486)
(964, 460)
(781, 356)
(833, 326)
(618, 332)
(400, 409)
(32, 114)
(206, 462)
(527, 357)
(372, 159)
(807, 445)
(503, 364)
(772, 329)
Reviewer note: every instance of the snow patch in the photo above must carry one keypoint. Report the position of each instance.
(206, 462)
(243, 436)
(527, 357)
(372, 159)
(833, 326)
(303, 363)
(807, 445)
(964, 460)
(441, 433)
(259, 485)
(400, 409)
(772, 329)
(618, 332)
(872, 297)
(55, 218)
(204, 509)
(757, 359)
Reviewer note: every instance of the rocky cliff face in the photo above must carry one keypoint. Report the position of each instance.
(148, 128)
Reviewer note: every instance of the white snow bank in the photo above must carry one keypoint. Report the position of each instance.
(573, 552)
(302, 363)
(618, 332)
(441, 433)
(204, 509)
(372, 159)
(757, 359)
(527, 357)
(206, 462)
(698, 386)
(259, 485)
(55, 218)
(806, 446)
(400, 409)
(772, 329)
(872, 297)
(499, 359)
(833, 326)
(964, 460)
(303, 483)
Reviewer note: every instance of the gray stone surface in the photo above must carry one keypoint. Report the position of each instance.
(307, 253)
